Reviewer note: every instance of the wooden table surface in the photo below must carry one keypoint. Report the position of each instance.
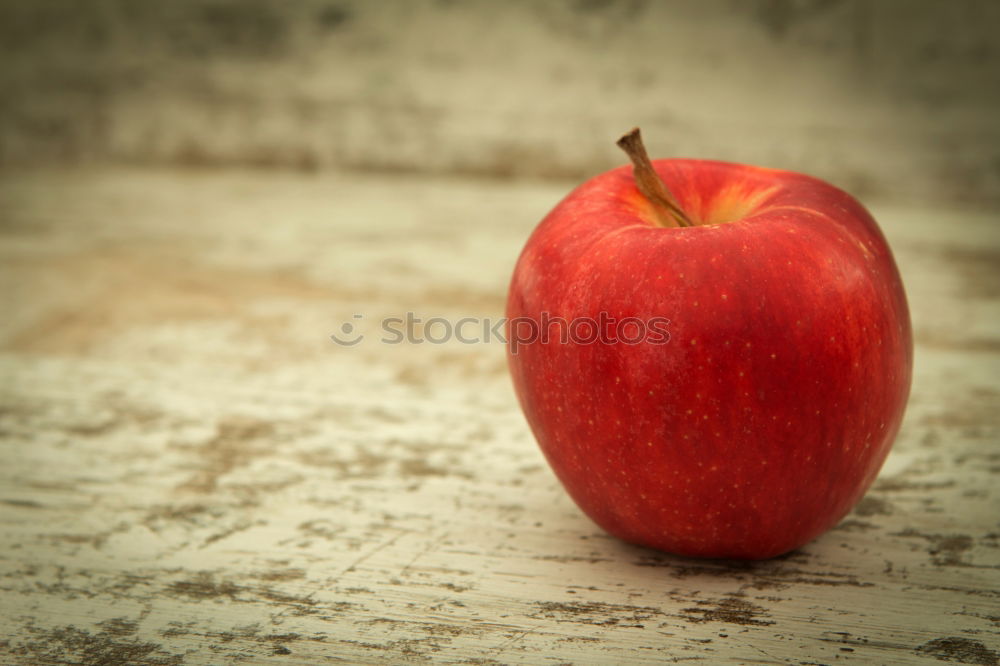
(192, 472)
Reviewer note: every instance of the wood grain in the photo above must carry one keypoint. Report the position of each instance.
(194, 473)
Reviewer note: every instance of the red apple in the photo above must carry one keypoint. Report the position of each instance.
(769, 408)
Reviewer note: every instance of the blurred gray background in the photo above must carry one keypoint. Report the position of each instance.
(894, 98)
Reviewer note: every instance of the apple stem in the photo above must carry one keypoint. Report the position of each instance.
(650, 184)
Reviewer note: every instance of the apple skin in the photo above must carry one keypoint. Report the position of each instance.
(771, 409)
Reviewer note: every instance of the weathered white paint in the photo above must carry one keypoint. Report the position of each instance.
(193, 473)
